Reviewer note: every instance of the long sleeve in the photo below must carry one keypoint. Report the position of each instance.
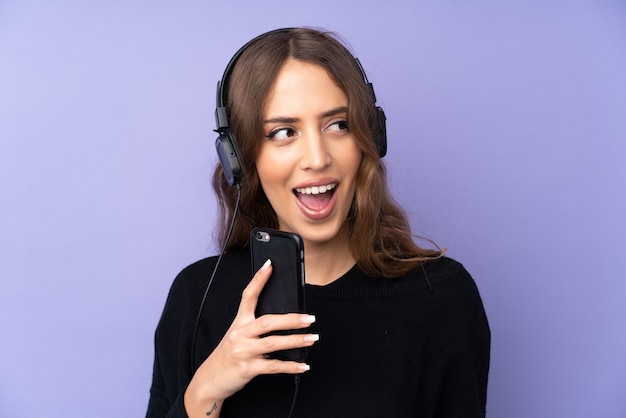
(172, 342)
(172, 370)
(464, 387)
(163, 404)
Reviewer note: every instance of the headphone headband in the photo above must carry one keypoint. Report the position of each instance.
(221, 116)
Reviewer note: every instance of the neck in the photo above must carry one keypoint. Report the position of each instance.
(326, 262)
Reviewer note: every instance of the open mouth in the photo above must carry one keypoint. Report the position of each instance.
(315, 197)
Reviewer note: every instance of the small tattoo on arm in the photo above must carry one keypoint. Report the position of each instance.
(212, 409)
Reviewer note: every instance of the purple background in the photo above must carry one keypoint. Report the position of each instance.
(507, 126)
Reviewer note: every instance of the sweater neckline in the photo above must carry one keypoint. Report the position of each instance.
(355, 283)
(344, 280)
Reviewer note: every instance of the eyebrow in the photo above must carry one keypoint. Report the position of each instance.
(329, 113)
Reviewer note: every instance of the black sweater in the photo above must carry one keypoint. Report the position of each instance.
(415, 346)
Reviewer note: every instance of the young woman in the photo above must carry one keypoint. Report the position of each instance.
(392, 329)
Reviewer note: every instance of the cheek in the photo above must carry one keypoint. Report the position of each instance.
(272, 172)
(353, 159)
(353, 163)
(264, 163)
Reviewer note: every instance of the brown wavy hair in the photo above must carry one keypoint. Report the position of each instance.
(380, 238)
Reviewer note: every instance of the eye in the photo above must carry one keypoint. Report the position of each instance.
(338, 126)
(281, 134)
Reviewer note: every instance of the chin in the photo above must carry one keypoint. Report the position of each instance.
(324, 235)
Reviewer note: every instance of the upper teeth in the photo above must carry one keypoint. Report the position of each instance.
(316, 189)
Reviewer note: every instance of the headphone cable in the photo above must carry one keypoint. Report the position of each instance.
(208, 286)
(206, 292)
(296, 382)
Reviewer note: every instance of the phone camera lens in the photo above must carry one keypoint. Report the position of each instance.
(262, 236)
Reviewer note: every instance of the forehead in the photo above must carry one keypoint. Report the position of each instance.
(303, 86)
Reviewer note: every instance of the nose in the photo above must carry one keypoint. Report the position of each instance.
(315, 151)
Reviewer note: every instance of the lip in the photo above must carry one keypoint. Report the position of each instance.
(317, 182)
(317, 214)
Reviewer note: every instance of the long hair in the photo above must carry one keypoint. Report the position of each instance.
(379, 233)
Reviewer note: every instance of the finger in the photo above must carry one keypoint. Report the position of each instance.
(251, 293)
(274, 343)
(279, 322)
(273, 366)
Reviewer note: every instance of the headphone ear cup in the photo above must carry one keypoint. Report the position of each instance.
(380, 136)
(228, 153)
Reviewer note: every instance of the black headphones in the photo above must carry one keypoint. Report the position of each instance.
(226, 143)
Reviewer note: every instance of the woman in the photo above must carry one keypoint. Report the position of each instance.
(394, 330)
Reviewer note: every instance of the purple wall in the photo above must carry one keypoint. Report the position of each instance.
(507, 124)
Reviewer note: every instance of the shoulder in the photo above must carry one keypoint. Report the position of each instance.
(441, 272)
(434, 275)
(190, 284)
(442, 266)
(445, 276)
(446, 286)
(455, 294)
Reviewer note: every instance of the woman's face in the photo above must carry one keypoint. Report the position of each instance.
(308, 162)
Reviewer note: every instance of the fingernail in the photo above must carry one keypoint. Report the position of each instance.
(307, 319)
(266, 265)
(311, 338)
(304, 367)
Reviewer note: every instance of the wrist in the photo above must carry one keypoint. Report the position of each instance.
(201, 404)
